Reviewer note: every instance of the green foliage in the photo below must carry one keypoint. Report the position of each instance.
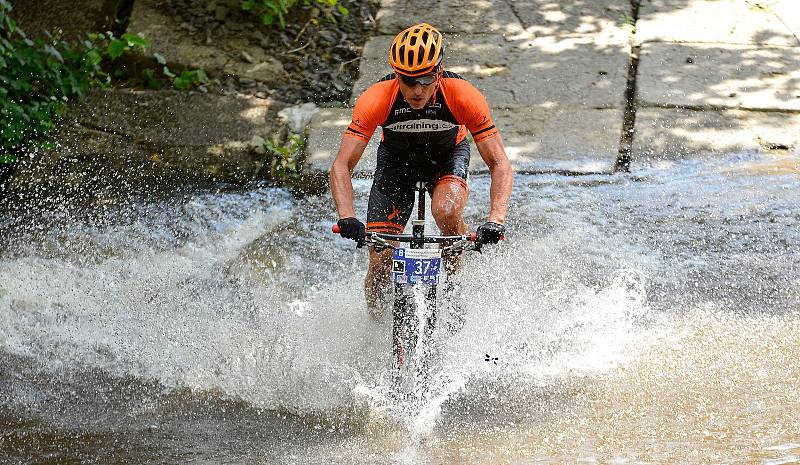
(284, 160)
(128, 42)
(187, 79)
(190, 78)
(37, 78)
(270, 10)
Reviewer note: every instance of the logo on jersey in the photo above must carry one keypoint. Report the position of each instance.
(402, 110)
(421, 125)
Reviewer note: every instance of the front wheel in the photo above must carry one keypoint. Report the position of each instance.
(413, 323)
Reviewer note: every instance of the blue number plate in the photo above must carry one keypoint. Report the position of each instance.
(412, 266)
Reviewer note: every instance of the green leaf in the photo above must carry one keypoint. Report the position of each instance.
(267, 19)
(54, 53)
(160, 58)
(247, 5)
(344, 11)
(181, 83)
(116, 48)
(93, 57)
(168, 73)
(135, 40)
(8, 158)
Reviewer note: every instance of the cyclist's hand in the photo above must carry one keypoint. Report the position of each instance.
(351, 228)
(490, 233)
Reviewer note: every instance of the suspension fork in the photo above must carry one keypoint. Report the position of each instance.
(405, 326)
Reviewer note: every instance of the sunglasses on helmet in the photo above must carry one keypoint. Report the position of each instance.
(425, 79)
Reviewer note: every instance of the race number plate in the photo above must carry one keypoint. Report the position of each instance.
(412, 266)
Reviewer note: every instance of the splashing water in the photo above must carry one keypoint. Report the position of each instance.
(626, 318)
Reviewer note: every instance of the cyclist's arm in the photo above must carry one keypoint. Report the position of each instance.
(494, 155)
(370, 111)
(350, 152)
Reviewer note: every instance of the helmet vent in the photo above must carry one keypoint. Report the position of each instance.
(416, 50)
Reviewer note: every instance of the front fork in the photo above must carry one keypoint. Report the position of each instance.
(408, 348)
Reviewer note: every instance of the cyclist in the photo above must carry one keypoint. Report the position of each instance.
(425, 113)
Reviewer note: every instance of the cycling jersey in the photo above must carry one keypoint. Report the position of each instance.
(417, 145)
(432, 131)
(392, 196)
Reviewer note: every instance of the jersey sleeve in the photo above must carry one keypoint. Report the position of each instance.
(371, 110)
(469, 107)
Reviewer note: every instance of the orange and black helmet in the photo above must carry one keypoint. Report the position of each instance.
(417, 50)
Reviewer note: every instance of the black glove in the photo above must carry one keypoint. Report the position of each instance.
(351, 228)
(490, 232)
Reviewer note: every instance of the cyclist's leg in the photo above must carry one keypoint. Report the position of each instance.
(391, 200)
(449, 197)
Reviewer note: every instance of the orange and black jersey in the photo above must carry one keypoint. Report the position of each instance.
(433, 131)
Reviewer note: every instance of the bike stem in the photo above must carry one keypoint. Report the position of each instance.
(418, 225)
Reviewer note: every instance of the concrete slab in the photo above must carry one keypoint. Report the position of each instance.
(789, 13)
(99, 164)
(579, 139)
(515, 73)
(324, 135)
(177, 118)
(205, 135)
(595, 17)
(473, 16)
(535, 139)
(769, 22)
(669, 133)
(718, 75)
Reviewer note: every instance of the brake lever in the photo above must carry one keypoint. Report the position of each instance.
(378, 244)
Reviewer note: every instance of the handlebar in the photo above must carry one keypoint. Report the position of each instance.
(457, 244)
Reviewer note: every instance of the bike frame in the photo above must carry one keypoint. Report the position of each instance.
(406, 320)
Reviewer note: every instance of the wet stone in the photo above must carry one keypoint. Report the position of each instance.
(670, 133)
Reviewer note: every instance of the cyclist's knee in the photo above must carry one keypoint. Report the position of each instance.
(447, 214)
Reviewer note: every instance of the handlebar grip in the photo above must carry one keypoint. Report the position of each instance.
(335, 229)
(474, 237)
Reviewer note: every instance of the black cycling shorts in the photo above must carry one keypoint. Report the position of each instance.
(391, 198)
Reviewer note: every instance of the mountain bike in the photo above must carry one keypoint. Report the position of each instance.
(416, 273)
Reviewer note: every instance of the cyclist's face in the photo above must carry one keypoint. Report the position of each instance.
(417, 95)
